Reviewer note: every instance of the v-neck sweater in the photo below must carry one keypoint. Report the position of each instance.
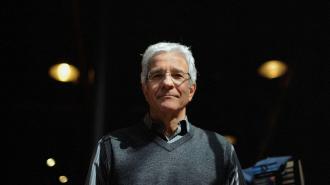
(135, 155)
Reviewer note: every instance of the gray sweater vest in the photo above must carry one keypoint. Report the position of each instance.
(136, 156)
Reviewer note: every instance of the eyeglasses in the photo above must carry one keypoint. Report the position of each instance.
(176, 77)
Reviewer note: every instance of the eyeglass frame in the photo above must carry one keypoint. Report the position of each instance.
(163, 73)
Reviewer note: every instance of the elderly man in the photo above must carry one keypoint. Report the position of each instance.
(165, 148)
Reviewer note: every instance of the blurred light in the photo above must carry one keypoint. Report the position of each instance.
(63, 179)
(272, 69)
(50, 162)
(64, 72)
(231, 139)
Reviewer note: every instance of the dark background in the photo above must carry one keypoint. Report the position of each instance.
(44, 118)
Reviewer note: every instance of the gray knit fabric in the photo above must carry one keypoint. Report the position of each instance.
(136, 156)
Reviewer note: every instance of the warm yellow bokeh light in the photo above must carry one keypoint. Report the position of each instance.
(63, 179)
(64, 72)
(231, 139)
(50, 162)
(272, 69)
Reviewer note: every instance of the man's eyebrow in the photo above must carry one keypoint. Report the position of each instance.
(173, 69)
(177, 70)
(158, 69)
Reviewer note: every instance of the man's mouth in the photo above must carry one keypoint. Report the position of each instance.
(168, 96)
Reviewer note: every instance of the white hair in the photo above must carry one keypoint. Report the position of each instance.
(157, 48)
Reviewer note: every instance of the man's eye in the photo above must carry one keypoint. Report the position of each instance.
(178, 76)
(156, 76)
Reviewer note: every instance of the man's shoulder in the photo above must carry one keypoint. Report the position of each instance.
(131, 132)
(210, 135)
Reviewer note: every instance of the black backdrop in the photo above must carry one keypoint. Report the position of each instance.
(45, 118)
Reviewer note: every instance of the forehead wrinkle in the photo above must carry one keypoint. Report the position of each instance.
(170, 57)
(172, 69)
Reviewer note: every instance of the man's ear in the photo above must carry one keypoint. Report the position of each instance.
(144, 89)
(192, 90)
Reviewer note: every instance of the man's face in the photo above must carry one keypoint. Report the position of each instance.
(165, 96)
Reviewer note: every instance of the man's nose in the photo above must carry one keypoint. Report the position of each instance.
(167, 80)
